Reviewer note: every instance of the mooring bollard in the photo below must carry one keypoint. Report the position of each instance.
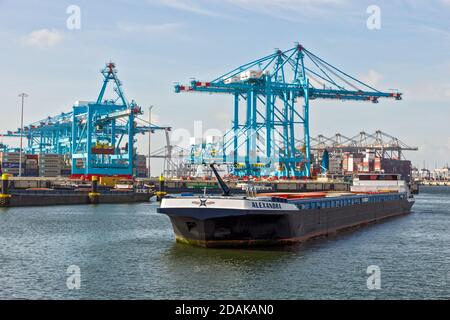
(5, 196)
(94, 195)
(161, 192)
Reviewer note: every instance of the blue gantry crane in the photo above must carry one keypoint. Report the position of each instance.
(103, 131)
(99, 136)
(274, 94)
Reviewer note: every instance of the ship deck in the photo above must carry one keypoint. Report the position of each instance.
(315, 200)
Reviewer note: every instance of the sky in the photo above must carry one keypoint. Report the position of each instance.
(156, 43)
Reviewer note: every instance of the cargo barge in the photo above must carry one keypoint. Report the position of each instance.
(28, 198)
(284, 218)
(70, 194)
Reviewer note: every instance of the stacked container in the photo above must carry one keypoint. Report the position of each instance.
(49, 165)
(140, 166)
(402, 167)
(251, 75)
(335, 164)
(232, 80)
(377, 164)
(369, 161)
(31, 165)
(353, 162)
(345, 162)
(66, 165)
(10, 162)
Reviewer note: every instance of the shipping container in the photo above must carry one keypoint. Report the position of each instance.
(232, 80)
(31, 173)
(11, 165)
(66, 173)
(251, 75)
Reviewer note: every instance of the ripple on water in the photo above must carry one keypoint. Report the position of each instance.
(128, 252)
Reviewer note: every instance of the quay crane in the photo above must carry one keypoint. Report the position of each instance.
(275, 92)
(99, 136)
(384, 145)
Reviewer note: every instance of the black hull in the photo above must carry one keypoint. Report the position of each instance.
(244, 228)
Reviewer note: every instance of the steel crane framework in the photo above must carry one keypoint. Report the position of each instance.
(99, 136)
(386, 146)
(275, 93)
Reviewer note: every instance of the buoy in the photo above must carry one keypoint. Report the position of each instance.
(5, 196)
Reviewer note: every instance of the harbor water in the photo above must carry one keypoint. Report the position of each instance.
(127, 251)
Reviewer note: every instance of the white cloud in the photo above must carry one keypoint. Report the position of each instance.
(429, 92)
(372, 78)
(189, 6)
(288, 9)
(42, 38)
(437, 31)
(150, 28)
(287, 3)
(280, 8)
(166, 31)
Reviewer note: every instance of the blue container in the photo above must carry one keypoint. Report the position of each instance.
(11, 165)
(31, 173)
(66, 172)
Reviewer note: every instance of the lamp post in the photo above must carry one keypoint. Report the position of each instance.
(149, 139)
(23, 96)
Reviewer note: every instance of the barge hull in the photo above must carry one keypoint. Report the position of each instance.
(50, 199)
(228, 228)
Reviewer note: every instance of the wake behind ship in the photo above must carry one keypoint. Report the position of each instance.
(284, 218)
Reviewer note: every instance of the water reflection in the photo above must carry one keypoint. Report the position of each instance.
(191, 254)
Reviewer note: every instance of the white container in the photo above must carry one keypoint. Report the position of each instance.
(350, 164)
(82, 103)
(50, 156)
(250, 74)
(232, 80)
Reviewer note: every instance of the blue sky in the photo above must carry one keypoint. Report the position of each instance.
(158, 42)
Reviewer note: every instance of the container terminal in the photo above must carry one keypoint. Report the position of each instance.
(434, 177)
(276, 91)
(93, 145)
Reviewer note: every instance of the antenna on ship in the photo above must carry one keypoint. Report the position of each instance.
(226, 190)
